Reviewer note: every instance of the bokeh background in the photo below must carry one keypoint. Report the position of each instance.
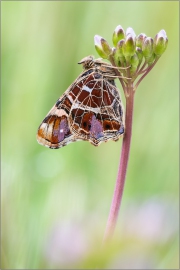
(55, 203)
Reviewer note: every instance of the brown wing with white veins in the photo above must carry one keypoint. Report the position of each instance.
(96, 113)
(89, 110)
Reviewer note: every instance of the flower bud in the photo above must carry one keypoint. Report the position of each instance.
(128, 47)
(160, 43)
(140, 39)
(151, 60)
(139, 54)
(119, 59)
(102, 47)
(134, 60)
(147, 47)
(120, 45)
(131, 32)
(134, 63)
(115, 56)
(118, 34)
(119, 50)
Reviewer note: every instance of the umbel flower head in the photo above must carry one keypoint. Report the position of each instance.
(136, 53)
(132, 58)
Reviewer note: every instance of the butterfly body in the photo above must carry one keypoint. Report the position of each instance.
(89, 110)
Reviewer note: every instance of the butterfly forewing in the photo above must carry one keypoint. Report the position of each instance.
(89, 110)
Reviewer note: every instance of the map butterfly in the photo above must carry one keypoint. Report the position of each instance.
(90, 109)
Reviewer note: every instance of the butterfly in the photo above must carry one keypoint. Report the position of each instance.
(89, 110)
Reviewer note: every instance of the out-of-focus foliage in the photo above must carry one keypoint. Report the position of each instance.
(55, 203)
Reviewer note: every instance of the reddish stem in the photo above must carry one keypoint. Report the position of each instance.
(146, 72)
(118, 192)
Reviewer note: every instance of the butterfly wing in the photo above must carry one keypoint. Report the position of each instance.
(96, 113)
(89, 110)
(55, 130)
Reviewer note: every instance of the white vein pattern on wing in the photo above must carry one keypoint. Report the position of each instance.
(96, 110)
(57, 111)
(76, 103)
(86, 88)
(88, 97)
(70, 98)
(89, 108)
(109, 88)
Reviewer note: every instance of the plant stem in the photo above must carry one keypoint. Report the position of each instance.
(118, 192)
(146, 72)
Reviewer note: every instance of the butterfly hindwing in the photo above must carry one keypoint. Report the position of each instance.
(54, 131)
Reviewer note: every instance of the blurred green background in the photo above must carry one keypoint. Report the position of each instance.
(55, 203)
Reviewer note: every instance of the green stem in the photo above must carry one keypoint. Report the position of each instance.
(118, 192)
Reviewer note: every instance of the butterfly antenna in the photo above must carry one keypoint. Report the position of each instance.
(116, 67)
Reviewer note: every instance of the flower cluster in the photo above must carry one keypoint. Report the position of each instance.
(132, 51)
(131, 56)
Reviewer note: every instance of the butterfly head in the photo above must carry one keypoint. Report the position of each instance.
(87, 62)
